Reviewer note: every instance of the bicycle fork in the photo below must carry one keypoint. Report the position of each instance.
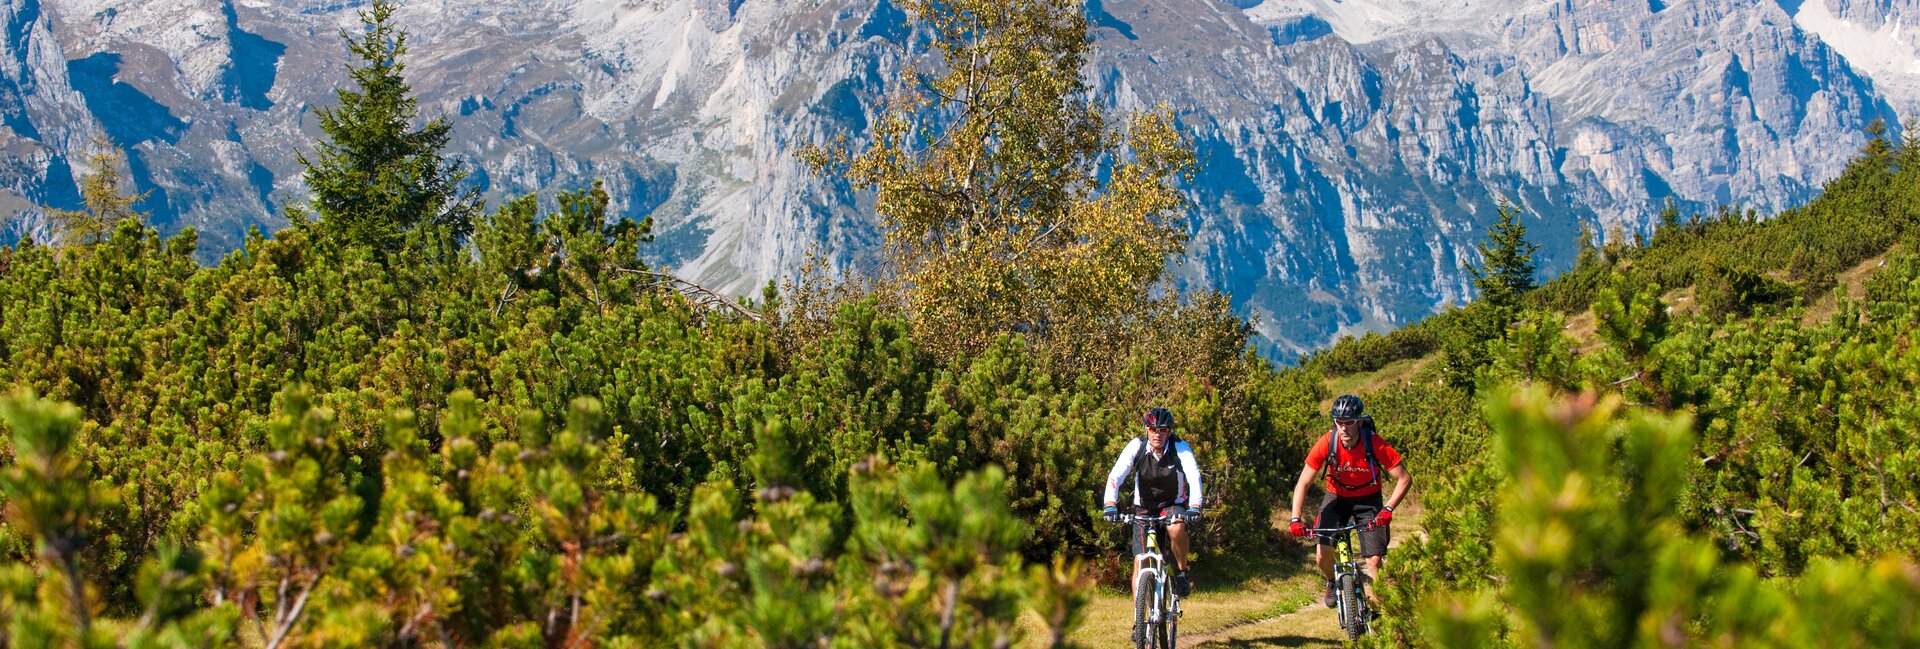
(1159, 594)
(1347, 575)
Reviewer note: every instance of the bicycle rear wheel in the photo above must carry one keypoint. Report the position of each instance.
(1143, 593)
(1351, 618)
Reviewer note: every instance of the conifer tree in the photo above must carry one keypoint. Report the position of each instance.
(278, 527)
(1536, 350)
(1589, 254)
(1588, 539)
(105, 201)
(50, 498)
(376, 176)
(53, 499)
(1465, 344)
(1670, 222)
(1633, 321)
(1669, 216)
(594, 534)
(1505, 274)
(1878, 152)
(1506, 269)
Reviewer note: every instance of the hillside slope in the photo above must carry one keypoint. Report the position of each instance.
(1722, 263)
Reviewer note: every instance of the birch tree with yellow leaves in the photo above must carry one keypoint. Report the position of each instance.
(1008, 201)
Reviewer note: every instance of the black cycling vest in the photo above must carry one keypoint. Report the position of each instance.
(1158, 480)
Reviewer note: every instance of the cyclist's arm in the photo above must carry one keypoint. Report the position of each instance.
(1119, 472)
(1192, 470)
(1321, 453)
(1300, 489)
(1402, 481)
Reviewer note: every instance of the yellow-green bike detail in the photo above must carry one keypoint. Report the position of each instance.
(1348, 579)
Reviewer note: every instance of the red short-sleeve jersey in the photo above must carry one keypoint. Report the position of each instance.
(1350, 474)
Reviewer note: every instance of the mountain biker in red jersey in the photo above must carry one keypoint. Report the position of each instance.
(1354, 467)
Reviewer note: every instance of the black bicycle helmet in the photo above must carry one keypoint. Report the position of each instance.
(1346, 407)
(1157, 418)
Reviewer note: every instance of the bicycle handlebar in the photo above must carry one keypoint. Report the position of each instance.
(1128, 519)
(1336, 530)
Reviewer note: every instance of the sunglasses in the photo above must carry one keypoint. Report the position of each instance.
(1159, 429)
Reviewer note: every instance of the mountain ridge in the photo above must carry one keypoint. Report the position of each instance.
(1349, 159)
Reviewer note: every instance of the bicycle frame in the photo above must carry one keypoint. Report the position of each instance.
(1164, 614)
(1346, 570)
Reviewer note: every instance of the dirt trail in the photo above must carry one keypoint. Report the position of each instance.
(1276, 605)
(1310, 625)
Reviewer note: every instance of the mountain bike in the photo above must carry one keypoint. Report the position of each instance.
(1347, 579)
(1156, 609)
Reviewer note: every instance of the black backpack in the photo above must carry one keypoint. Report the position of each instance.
(1366, 442)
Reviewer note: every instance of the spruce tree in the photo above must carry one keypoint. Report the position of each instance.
(1505, 273)
(1671, 224)
(376, 177)
(1506, 269)
(1589, 255)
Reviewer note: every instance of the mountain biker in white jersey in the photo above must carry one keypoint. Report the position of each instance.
(1166, 481)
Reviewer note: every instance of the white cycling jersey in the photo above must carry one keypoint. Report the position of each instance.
(1189, 493)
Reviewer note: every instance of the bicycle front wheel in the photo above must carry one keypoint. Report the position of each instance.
(1350, 616)
(1169, 640)
(1144, 591)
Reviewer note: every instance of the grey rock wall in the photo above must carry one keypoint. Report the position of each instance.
(1352, 151)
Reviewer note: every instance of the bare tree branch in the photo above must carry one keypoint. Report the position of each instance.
(506, 295)
(698, 294)
(946, 612)
(282, 627)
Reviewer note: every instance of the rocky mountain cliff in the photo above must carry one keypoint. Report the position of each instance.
(1352, 150)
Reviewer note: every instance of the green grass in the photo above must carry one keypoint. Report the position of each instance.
(1280, 607)
(1393, 373)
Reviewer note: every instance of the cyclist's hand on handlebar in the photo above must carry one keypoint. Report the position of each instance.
(1111, 514)
(1383, 518)
(1190, 516)
(1297, 528)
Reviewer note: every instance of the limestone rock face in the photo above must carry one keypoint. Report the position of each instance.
(41, 118)
(1877, 37)
(1352, 150)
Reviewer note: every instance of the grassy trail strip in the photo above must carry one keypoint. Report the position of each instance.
(1272, 602)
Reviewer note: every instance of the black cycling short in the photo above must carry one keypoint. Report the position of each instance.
(1336, 511)
(1140, 531)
